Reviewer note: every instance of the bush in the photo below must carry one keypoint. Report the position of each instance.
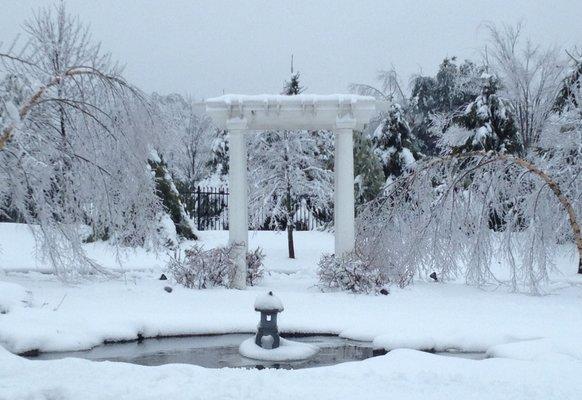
(255, 270)
(202, 269)
(350, 272)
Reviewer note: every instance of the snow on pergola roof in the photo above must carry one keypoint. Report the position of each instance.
(304, 111)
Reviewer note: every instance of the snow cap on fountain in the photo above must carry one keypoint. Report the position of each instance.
(268, 302)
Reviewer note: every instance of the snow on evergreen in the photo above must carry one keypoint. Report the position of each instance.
(489, 121)
(394, 144)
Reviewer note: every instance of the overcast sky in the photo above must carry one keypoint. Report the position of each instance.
(205, 48)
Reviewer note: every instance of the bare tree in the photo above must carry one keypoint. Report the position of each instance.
(288, 172)
(74, 143)
(531, 75)
(187, 140)
(389, 88)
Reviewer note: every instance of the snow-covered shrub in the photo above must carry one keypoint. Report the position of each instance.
(203, 269)
(255, 269)
(350, 272)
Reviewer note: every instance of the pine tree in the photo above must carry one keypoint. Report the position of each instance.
(292, 87)
(486, 124)
(187, 144)
(166, 190)
(452, 88)
(568, 97)
(395, 144)
(490, 122)
(218, 163)
(367, 169)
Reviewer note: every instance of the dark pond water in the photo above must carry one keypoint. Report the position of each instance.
(222, 351)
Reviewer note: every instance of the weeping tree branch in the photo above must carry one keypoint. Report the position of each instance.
(109, 80)
(564, 201)
(491, 157)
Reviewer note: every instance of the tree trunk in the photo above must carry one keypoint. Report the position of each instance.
(290, 240)
(289, 205)
(290, 226)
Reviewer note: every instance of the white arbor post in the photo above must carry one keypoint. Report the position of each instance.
(238, 202)
(343, 211)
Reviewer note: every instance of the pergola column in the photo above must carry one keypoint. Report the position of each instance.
(238, 202)
(343, 211)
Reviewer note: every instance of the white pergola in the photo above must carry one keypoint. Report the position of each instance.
(239, 114)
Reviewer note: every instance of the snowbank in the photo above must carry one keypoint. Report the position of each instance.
(274, 99)
(402, 374)
(539, 350)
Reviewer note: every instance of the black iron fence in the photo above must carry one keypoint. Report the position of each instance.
(211, 212)
(211, 208)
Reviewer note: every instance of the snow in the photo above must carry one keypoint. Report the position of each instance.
(18, 253)
(407, 157)
(455, 136)
(268, 302)
(303, 111)
(13, 112)
(11, 295)
(288, 350)
(275, 99)
(481, 134)
(402, 374)
(426, 315)
(168, 229)
(539, 350)
(535, 340)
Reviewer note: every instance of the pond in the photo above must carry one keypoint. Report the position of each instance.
(218, 351)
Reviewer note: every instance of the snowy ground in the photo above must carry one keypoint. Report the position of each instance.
(537, 341)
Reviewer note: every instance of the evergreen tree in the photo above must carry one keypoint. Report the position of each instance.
(568, 97)
(186, 145)
(394, 144)
(218, 163)
(167, 192)
(490, 122)
(453, 87)
(367, 169)
(292, 87)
